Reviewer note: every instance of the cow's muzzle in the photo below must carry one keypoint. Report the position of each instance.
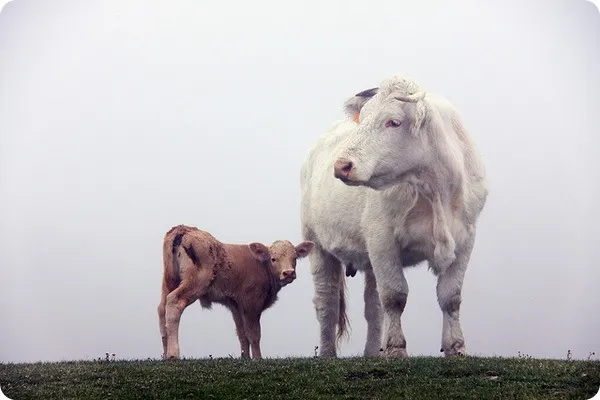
(342, 169)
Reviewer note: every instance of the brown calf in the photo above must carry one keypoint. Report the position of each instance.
(244, 278)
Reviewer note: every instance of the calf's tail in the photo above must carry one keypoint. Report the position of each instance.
(172, 241)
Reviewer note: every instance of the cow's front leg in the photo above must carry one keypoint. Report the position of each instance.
(373, 315)
(327, 278)
(393, 290)
(449, 289)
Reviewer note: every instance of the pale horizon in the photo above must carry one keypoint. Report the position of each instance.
(121, 119)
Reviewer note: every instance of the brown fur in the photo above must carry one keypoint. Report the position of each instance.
(243, 278)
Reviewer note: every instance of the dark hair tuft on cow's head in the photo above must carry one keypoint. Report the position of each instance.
(368, 93)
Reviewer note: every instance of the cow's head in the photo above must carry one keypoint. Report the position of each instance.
(390, 140)
(281, 257)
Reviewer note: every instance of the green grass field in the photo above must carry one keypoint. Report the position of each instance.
(305, 378)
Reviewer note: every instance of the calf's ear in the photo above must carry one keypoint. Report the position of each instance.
(260, 251)
(304, 248)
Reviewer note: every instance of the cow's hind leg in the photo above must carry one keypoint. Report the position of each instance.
(373, 315)
(449, 289)
(327, 274)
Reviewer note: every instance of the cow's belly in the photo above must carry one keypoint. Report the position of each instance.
(412, 257)
(344, 240)
(337, 222)
(414, 240)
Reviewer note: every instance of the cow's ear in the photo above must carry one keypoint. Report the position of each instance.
(260, 251)
(304, 248)
(354, 104)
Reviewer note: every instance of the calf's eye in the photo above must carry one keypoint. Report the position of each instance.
(392, 123)
(273, 260)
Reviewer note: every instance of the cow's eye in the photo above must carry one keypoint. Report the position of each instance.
(273, 260)
(393, 123)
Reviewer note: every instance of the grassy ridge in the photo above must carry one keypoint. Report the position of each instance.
(307, 378)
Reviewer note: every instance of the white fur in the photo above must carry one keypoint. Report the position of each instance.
(416, 193)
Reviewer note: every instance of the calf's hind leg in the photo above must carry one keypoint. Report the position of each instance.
(176, 302)
(162, 319)
(191, 288)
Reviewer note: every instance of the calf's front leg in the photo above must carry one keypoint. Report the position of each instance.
(252, 327)
(241, 332)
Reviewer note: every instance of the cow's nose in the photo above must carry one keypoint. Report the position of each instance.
(342, 168)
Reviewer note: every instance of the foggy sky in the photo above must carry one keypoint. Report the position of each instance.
(120, 119)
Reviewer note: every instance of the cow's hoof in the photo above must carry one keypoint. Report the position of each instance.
(373, 353)
(396, 352)
(328, 354)
(456, 350)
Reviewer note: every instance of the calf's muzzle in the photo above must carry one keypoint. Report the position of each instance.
(290, 273)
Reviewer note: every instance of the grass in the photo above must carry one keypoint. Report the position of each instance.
(305, 378)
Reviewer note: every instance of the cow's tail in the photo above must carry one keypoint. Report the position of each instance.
(343, 323)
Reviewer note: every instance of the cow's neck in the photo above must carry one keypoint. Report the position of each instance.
(439, 186)
(445, 201)
(445, 194)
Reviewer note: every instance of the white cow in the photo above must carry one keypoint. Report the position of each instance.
(398, 183)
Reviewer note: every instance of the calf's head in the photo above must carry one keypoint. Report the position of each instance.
(390, 140)
(281, 258)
